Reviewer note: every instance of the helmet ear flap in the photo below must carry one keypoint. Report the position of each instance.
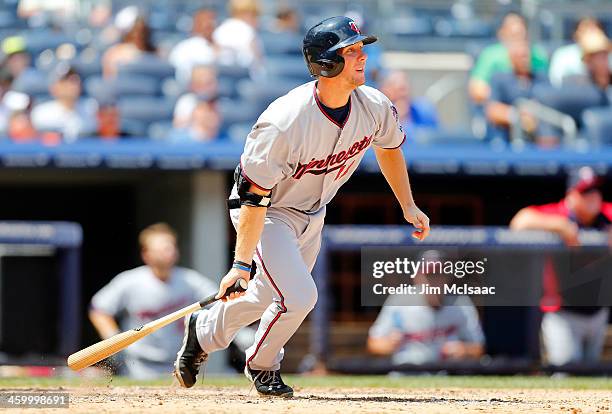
(330, 68)
(331, 65)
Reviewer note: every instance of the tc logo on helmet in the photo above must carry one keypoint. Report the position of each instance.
(354, 27)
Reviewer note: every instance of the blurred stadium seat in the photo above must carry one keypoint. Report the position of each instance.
(236, 112)
(160, 130)
(287, 67)
(148, 65)
(571, 99)
(261, 93)
(137, 113)
(281, 44)
(121, 86)
(38, 40)
(33, 83)
(597, 124)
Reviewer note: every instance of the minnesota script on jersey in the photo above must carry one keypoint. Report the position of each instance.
(298, 150)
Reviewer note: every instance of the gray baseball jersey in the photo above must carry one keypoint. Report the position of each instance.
(137, 296)
(296, 150)
(425, 329)
(304, 155)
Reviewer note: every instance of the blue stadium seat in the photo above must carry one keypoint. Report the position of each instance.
(148, 65)
(572, 99)
(288, 67)
(432, 136)
(233, 72)
(88, 65)
(159, 131)
(239, 131)
(470, 28)
(281, 44)
(134, 128)
(9, 20)
(261, 93)
(121, 86)
(40, 39)
(410, 26)
(32, 82)
(136, 113)
(236, 111)
(598, 125)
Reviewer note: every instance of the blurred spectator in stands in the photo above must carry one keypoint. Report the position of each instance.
(17, 59)
(508, 88)
(148, 292)
(287, 21)
(237, 36)
(494, 59)
(576, 333)
(14, 106)
(199, 49)
(203, 85)
(414, 113)
(68, 114)
(567, 60)
(427, 328)
(595, 47)
(65, 10)
(135, 42)
(204, 124)
(20, 128)
(6, 79)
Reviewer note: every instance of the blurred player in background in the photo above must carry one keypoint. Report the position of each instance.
(143, 294)
(576, 333)
(418, 329)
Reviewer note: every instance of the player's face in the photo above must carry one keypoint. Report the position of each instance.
(354, 64)
(160, 251)
(585, 205)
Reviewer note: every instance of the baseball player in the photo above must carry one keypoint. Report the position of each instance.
(143, 294)
(303, 147)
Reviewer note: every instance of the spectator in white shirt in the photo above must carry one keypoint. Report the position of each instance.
(68, 114)
(199, 49)
(203, 85)
(237, 36)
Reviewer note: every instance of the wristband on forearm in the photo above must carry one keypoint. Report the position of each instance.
(241, 265)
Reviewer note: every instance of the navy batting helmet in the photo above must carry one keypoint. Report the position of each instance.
(322, 42)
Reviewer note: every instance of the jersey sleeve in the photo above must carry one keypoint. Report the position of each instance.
(470, 329)
(265, 157)
(201, 286)
(383, 326)
(111, 299)
(390, 134)
(553, 209)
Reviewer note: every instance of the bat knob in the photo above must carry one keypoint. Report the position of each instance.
(240, 286)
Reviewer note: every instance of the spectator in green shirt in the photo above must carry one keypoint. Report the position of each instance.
(494, 58)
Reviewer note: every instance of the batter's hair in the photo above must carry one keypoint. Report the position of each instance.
(153, 229)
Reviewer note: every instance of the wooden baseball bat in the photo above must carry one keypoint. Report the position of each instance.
(110, 346)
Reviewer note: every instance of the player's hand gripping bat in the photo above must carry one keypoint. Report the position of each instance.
(110, 346)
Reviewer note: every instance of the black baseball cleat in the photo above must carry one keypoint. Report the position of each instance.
(268, 383)
(191, 356)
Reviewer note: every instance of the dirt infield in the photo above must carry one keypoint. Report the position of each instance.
(318, 400)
